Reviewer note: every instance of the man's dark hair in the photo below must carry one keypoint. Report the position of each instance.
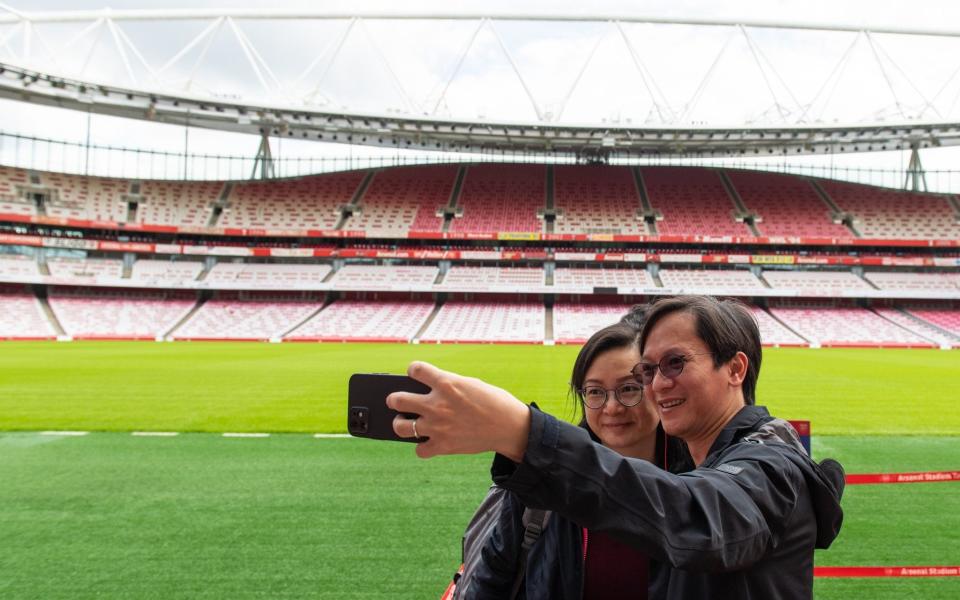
(725, 326)
(619, 335)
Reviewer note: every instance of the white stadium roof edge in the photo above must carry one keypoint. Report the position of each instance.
(21, 84)
(44, 86)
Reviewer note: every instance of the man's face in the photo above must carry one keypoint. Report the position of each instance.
(691, 403)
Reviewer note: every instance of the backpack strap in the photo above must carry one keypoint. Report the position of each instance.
(534, 521)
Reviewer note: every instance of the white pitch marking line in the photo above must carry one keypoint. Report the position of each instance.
(65, 433)
(247, 435)
(331, 435)
(155, 433)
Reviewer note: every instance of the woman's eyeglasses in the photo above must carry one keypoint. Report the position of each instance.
(671, 366)
(627, 394)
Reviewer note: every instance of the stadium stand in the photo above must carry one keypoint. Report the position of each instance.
(775, 333)
(12, 202)
(259, 276)
(247, 317)
(357, 320)
(786, 205)
(177, 203)
(21, 316)
(913, 282)
(90, 198)
(894, 214)
(400, 200)
(816, 283)
(923, 328)
(710, 281)
(851, 327)
(487, 322)
(692, 201)
(596, 199)
(575, 322)
(86, 270)
(171, 273)
(503, 279)
(13, 267)
(501, 198)
(384, 277)
(584, 280)
(944, 318)
(305, 203)
(118, 314)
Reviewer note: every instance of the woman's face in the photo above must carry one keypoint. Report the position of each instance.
(629, 431)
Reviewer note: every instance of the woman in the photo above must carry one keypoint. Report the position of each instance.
(568, 561)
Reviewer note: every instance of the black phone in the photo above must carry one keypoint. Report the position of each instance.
(367, 412)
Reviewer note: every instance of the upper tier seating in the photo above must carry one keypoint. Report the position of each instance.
(172, 273)
(944, 318)
(258, 318)
(504, 279)
(574, 323)
(894, 214)
(923, 328)
(786, 204)
(17, 267)
(816, 283)
(501, 198)
(384, 277)
(400, 200)
(581, 280)
(86, 270)
(307, 203)
(118, 314)
(692, 201)
(596, 199)
(87, 198)
(710, 281)
(487, 322)
(906, 281)
(21, 316)
(11, 202)
(847, 327)
(180, 203)
(773, 332)
(365, 321)
(267, 275)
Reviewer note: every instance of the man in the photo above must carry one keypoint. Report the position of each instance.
(743, 524)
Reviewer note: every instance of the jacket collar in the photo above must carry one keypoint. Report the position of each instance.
(747, 420)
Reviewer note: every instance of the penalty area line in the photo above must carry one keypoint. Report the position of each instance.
(65, 433)
(155, 433)
(246, 435)
(324, 436)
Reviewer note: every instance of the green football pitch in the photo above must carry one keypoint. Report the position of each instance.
(114, 515)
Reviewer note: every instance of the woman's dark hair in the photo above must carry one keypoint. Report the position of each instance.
(619, 335)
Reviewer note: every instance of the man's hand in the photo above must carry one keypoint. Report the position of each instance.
(461, 415)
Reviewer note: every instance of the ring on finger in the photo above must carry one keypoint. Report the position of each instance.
(414, 425)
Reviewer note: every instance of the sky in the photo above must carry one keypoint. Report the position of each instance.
(632, 74)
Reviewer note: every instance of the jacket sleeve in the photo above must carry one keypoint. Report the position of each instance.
(709, 519)
(493, 577)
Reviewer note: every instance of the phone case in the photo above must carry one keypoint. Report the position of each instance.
(367, 412)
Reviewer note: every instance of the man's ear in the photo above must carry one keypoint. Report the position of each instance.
(737, 368)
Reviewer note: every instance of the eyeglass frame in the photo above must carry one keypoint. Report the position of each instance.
(606, 395)
(684, 358)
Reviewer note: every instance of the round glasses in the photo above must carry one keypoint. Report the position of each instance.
(670, 366)
(627, 394)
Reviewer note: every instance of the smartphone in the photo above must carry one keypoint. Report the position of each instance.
(367, 412)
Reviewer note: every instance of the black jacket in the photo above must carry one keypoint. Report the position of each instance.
(743, 524)
(554, 569)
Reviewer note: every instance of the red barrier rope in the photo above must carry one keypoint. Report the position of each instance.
(886, 571)
(923, 477)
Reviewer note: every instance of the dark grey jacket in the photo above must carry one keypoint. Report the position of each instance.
(743, 524)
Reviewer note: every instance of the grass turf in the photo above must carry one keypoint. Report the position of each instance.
(111, 515)
(201, 516)
(120, 386)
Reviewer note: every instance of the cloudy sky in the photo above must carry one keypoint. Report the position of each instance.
(593, 72)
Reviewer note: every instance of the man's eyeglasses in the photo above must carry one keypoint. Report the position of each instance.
(670, 367)
(627, 394)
